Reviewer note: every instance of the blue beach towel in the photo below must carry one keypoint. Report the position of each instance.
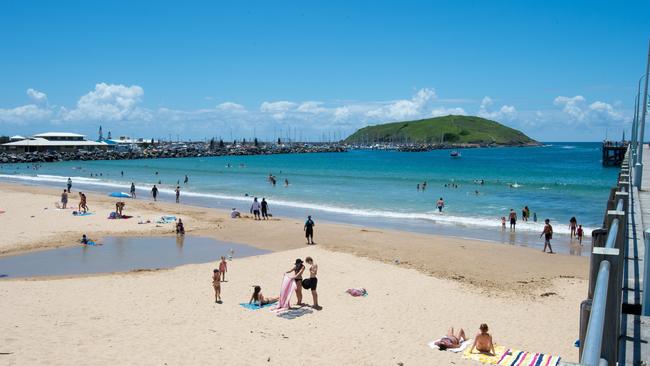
(120, 195)
(255, 307)
(78, 213)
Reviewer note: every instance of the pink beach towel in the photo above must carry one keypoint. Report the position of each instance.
(287, 288)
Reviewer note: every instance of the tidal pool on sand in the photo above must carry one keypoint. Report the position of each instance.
(123, 254)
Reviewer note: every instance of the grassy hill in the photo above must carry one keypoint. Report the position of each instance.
(449, 129)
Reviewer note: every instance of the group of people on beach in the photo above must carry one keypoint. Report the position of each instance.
(297, 272)
(482, 340)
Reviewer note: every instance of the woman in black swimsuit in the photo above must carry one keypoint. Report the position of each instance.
(298, 269)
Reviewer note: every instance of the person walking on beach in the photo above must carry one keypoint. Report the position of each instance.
(69, 184)
(132, 190)
(255, 209)
(154, 192)
(309, 230)
(513, 219)
(440, 204)
(573, 225)
(548, 235)
(312, 282)
(64, 199)
(178, 194)
(298, 269)
(265, 209)
(216, 284)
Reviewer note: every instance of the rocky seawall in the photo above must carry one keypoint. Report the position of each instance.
(159, 152)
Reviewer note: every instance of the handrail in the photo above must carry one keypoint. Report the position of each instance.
(594, 337)
(611, 234)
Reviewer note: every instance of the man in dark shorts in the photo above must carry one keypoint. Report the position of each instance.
(309, 230)
(313, 281)
(548, 235)
(265, 209)
(154, 192)
(513, 219)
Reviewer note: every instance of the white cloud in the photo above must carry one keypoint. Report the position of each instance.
(311, 107)
(571, 106)
(278, 110)
(506, 112)
(231, 107)
(442, 111)
(405, 108)
(606, 111)
(25, 113)
(108, 102)
(36, 96)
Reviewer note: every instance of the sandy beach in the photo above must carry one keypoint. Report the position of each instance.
(168, 316)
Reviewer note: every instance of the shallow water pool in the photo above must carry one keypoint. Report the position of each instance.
(122, 254)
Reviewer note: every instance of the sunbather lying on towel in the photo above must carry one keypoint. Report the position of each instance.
(483, 341)
(259, 299)
(451, 340)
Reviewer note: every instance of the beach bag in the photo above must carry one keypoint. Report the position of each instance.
(306, 283)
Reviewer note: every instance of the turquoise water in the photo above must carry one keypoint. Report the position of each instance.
(556, 181)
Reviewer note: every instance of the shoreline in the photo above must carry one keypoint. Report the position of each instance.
(527, 269)
(471, 228)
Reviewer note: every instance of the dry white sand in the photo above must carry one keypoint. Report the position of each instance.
(169, 318)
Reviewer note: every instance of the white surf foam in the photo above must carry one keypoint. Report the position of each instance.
(431, 216)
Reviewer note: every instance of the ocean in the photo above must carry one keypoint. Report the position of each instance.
(375, 187)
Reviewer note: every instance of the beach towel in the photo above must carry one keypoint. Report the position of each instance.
(79, 213)
(286, 289)
(255, 306)
(90, 242)
(462, 347)
(120, 195)
(513, 357)
(166, 219)
(483, 358)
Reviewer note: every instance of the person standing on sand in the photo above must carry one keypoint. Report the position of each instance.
(298, 269)
(548, 235)
(83, 206)
(216, 284)
(265, 209)
(154, 192)
(309, 230)
(255, 209)
(132, 190)
(513, 219)
(573, 224)
(64, 199)
(440, 204)
(223, 268)
(178, 194)
(69, 184)
(312, 282)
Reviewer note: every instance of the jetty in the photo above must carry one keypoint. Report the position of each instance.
(615, 316)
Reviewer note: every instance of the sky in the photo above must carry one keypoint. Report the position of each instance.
(313, 70)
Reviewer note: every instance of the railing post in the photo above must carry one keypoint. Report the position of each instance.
(594, 339)
(645, 302)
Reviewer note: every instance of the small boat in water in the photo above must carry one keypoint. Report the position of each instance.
(455, 155)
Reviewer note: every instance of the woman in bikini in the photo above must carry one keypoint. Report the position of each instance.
(298, 269)
(259, 299)
(451, 340)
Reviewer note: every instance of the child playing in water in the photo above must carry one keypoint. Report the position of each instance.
(223, 268)
(216, 283)
(503, 222)
(580, 233)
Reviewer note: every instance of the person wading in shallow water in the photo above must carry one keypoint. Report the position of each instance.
(548, 235)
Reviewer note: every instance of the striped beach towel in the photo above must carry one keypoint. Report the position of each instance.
(513, 357)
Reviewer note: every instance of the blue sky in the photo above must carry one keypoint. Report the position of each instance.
(557, 70)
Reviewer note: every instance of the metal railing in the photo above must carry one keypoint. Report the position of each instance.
(600, 316)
